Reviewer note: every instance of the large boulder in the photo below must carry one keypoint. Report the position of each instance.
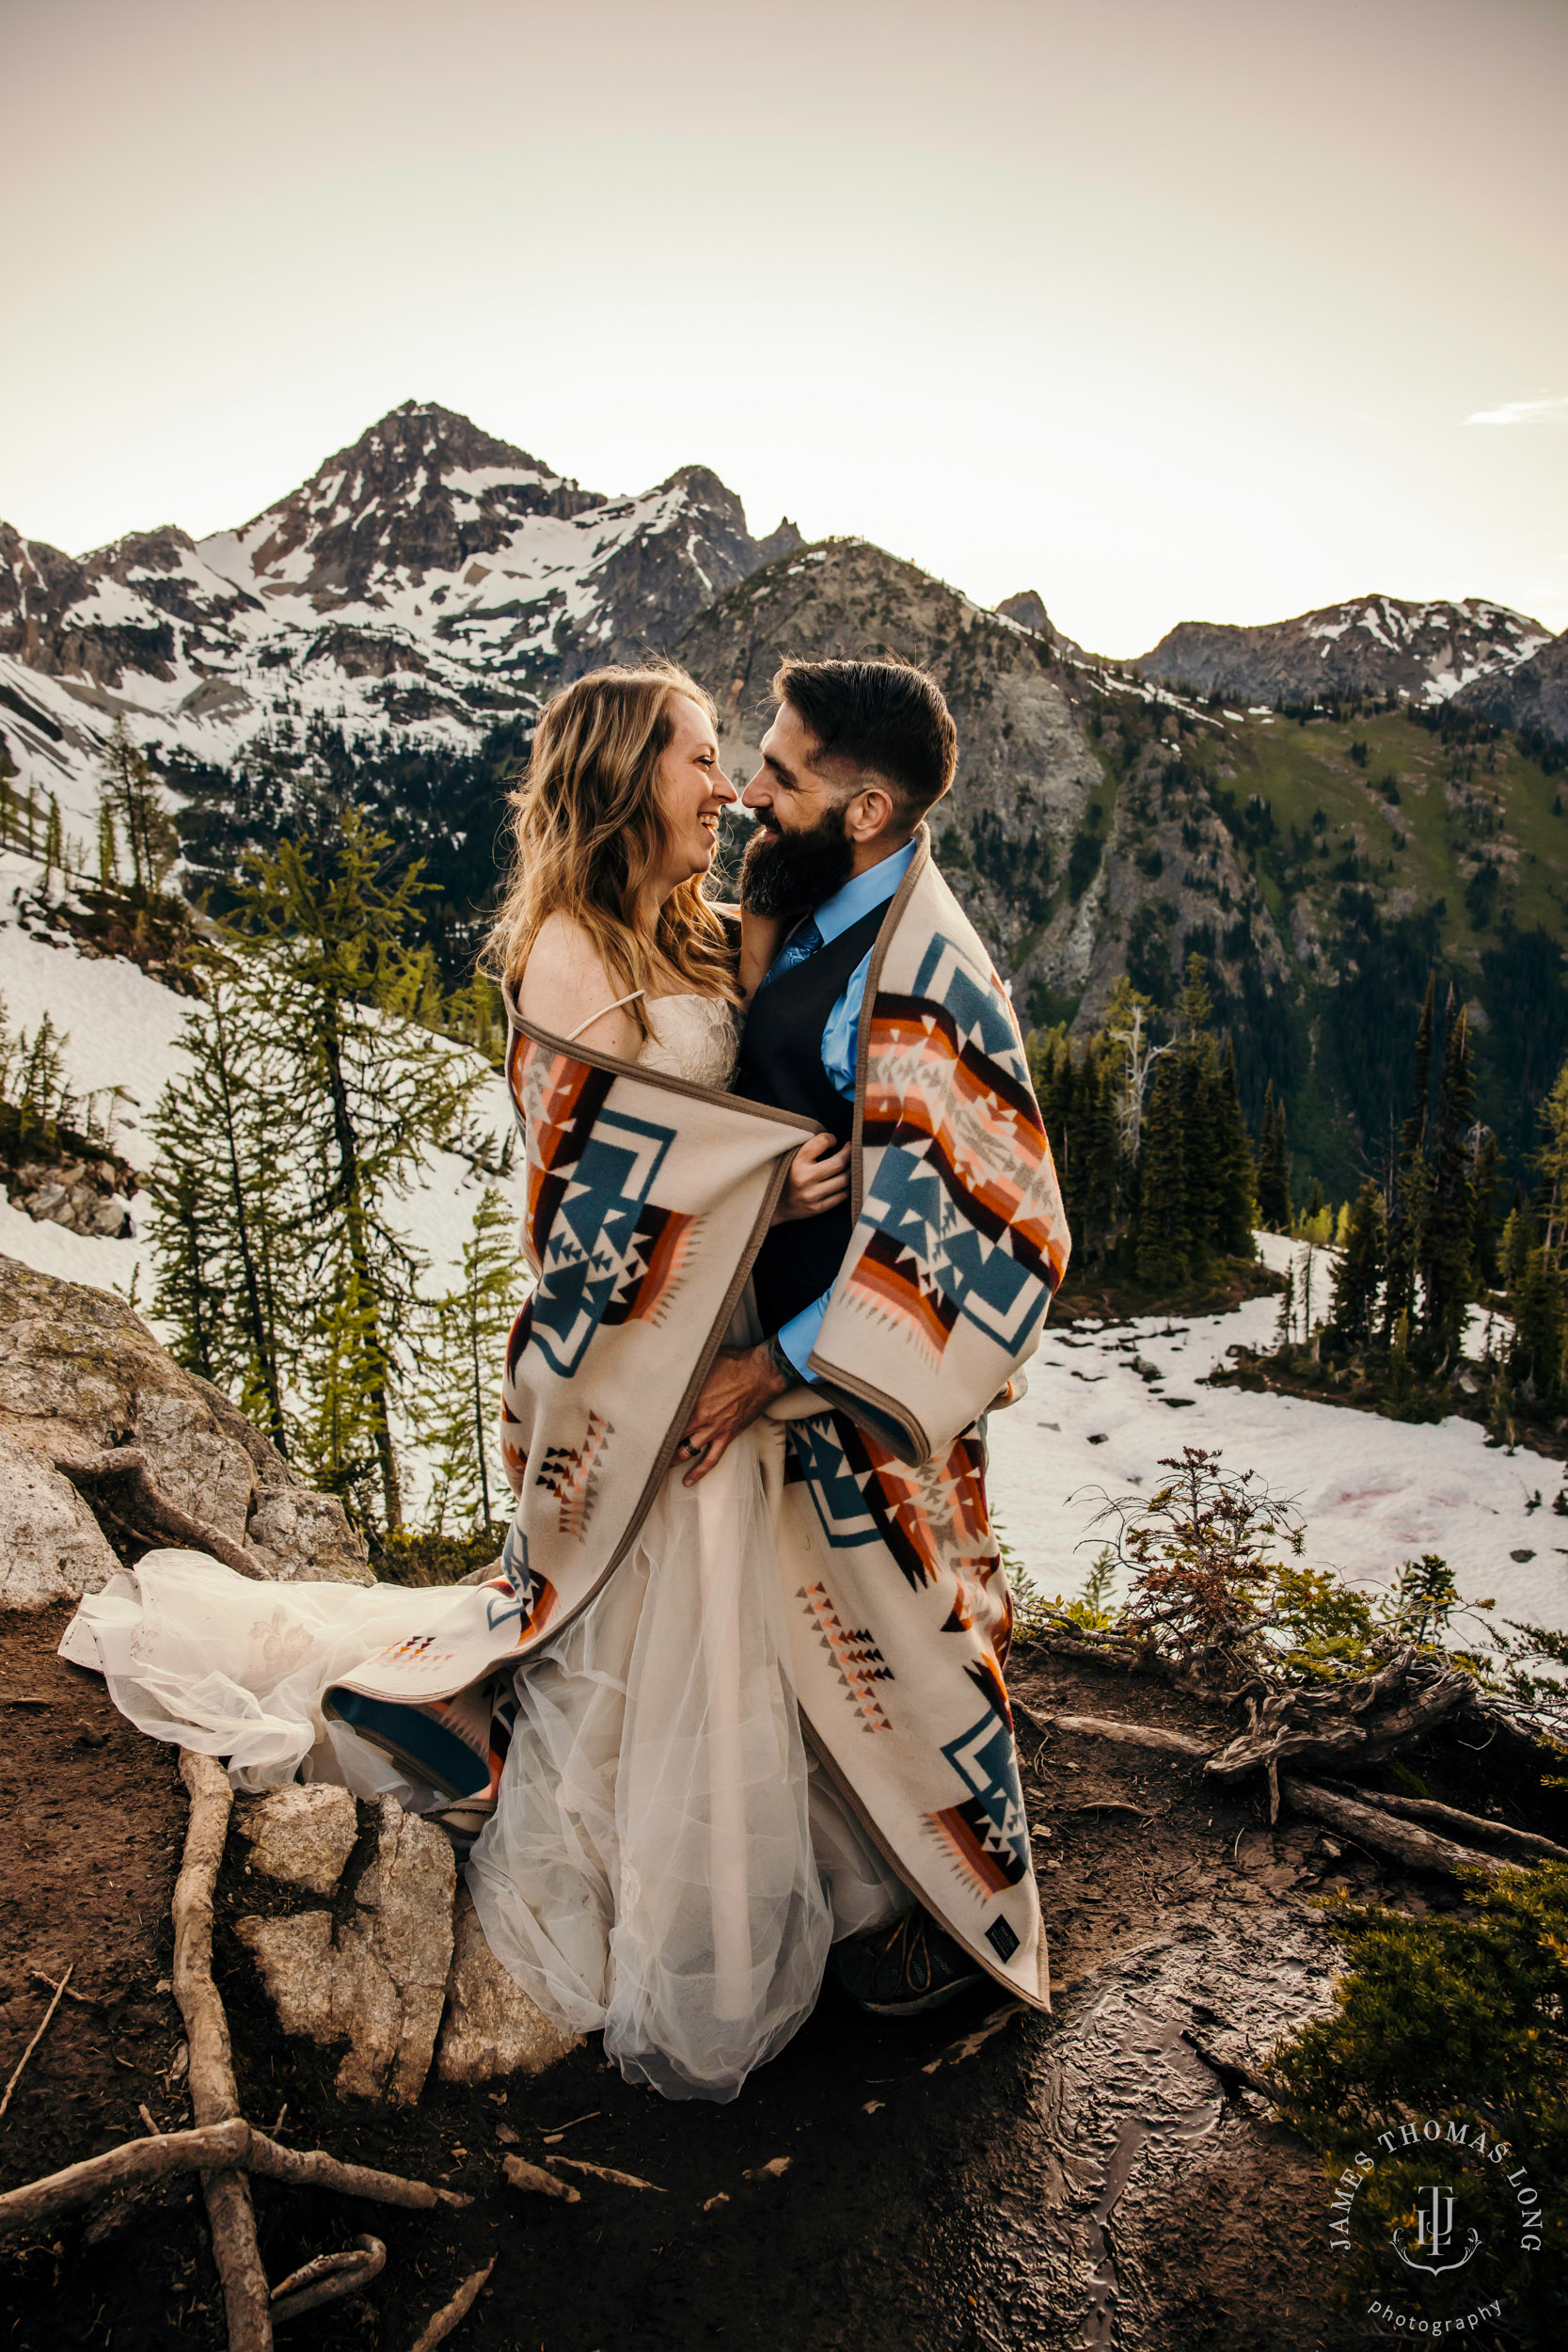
(378, 1982)
(80, 1371)
(51, 1546)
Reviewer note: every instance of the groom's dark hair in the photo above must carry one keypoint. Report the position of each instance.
(885, 716)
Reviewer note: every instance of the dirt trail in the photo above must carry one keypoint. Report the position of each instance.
(986, 2177)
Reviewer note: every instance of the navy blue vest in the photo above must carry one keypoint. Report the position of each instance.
(781, 1064)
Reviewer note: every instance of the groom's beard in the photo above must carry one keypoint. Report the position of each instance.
(786, 874)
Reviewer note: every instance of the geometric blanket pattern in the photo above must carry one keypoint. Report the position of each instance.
(647, 1198)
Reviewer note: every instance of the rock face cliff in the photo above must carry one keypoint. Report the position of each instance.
(430, 579)
(1533, 697)
(1052, 851)
(1372, 645)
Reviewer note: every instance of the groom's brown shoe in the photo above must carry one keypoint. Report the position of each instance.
(902, 1970)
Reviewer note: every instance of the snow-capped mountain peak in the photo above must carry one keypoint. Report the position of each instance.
(429, 578)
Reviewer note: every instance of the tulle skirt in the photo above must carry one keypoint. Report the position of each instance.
(665, 1863)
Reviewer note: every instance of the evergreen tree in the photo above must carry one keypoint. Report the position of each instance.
(233, 1213)
(1447, 1261)
(1273, 1168)
(1412, 1186)
(108, 848)
(1359, 1276)
(1537, 1305)
(1552, 1160)
(54, 845)
(465, 1338)
(1164, 1245)
(1235, 1175)
(130, 795)
(376, 1092)
(1483, 1230)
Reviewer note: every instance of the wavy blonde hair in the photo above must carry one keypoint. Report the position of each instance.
(587, 835)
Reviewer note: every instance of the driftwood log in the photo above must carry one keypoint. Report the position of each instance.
(121, 1487)
(1108, 1727)
(234, 2146)
(1441, 1816)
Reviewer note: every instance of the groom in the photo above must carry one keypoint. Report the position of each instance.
(857, 754)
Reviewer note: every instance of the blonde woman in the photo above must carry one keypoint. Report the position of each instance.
(656, 1860)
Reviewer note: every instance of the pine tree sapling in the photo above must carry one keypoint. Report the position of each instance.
(1201, 1555)
(1359, 1278)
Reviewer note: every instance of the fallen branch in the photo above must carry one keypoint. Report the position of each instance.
(327, 2279)
(1386, 1834)
(441, 2325)
(215, 2096)
(1474, 1824)
(1342, 1723)
(234, 2146)
(16, 2072)
(1111, 1727)
(123, 1469)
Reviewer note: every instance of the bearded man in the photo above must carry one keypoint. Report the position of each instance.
(880, 1018)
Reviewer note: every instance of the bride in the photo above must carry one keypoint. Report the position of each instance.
(663, 1862)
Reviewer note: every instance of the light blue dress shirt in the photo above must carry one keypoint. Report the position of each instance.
(873, 888)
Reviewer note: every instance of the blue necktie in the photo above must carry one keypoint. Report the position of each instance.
(802, 943)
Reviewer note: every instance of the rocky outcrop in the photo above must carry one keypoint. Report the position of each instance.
(83, 1195)
(51, 1546)
(1533, 696)
(377, 1981)
(492, 2027)
(80, 1374)
(1372, 645)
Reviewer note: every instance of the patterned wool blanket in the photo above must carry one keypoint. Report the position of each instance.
(647, 1201)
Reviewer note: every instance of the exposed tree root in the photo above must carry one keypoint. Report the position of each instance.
(59, 1992)
(234, 2146)
(327, 2279)
(140, 1507)
(215, 2096)
(1382, 1832)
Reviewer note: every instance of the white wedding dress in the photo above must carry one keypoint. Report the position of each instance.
(664, 1863)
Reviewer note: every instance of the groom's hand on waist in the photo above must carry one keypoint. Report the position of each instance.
(742, 1382)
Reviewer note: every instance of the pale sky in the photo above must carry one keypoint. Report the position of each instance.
(1171, 311)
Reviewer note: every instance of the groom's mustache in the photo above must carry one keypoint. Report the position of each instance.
(787, 873)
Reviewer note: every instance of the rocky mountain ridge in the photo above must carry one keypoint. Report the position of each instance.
(1371, 646)
(424, 583)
